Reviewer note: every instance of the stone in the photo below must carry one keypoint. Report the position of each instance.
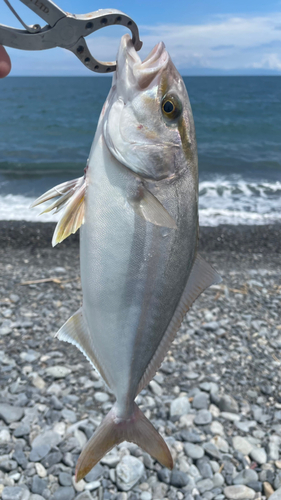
(239, 492)
(101, 397)
(178, 478)
(212, 451)
(259, 455)
(201, 401)
(128, 472)
(20, 457)
(38, 485)
(111, 460)
(179, 407)
(145, 495)
(4, 436)
(93, 485)
(95, 473)
(69, 415)
(192, 436)
(203, 417)
(22, 430)
(15, 493)
(164, 475)
(217, 428)
(275, 496)
(246, 425)
(204, 485)
(86, 495)
(48, 437)
(39, 452)
(57, 371)
(218, 479)
(65, 479)
(256, 486)
(220, 443)
(268, 490)
(233, 417)
(241, 444)
(204, 468)
(156, 388)
(227, 403)
(40, 469)
(34, 496)
(80, 486)
(10, 413)
(246, 476)
(64, 493)
(52, 459)
(193, 450)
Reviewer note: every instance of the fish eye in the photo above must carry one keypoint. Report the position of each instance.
(171, 107)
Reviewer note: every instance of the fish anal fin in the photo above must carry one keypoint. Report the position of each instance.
(146, 205)
(76, 332)
(201, 277)
(113, 430)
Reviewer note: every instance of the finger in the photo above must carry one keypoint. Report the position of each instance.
(5, 63)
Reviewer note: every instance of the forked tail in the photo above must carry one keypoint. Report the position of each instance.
(112, 431)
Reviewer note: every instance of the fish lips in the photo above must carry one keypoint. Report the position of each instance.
(136, 74)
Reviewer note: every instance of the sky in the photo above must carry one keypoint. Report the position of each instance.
(203, 37)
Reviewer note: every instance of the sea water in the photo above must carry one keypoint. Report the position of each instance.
(47, 125)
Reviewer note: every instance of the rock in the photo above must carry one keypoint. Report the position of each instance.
(34, 496)
(246, 425)
(178, 478)
(22, 430)
(220, 443)
(10, 413)
(95, 473)
(256, 486)
(38, 485)
(86, 495)
(259, 455)
(69, 415)
(200, 401)
(164, 475)
(268, 490)
(52, 459)
(128, 472)
(40, 469)
(228, 404)
(218, 479)
(239, 492)
(15, 493)
(64, 493)
(192, 436)
(39, 452)
(57, 371)
(179, 407)
(275, 496)
(145, 495)
(50, 437)
(93, 485)
(204, 468)
(246, 476)
(233, 417)
(20, 457)
(205, 485)
(212, 451)
(111, 460)
(193, 450)
(65, 479)
(217, 428)
(4, 436)
(80, 486)
(101, 397)
(156, 388)
(241, 444)
(203, 417)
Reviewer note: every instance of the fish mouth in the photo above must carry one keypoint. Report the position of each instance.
(143, 72)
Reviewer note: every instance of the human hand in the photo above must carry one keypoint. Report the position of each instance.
(5, 63)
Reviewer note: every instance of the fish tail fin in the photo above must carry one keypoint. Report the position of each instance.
(112, 431)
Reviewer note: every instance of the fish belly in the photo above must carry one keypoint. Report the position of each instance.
(133, 272)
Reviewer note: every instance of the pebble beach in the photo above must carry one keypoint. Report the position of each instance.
(216, 398)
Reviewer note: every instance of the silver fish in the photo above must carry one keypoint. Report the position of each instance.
(137, 206)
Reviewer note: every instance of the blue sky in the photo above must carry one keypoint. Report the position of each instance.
(204, 37)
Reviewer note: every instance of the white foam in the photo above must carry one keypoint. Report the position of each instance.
(221, 201)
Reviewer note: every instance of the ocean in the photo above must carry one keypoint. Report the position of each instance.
(47, 126)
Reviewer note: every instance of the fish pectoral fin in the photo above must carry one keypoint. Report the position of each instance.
(146, 205)
(76, 332)
(70, 197)
(201, 277)
(112, 431)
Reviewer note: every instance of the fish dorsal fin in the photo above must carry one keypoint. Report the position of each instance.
(146, 205)
(201, 277)
(70, 197)
(76, 332)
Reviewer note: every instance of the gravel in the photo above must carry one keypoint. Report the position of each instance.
(215, 399)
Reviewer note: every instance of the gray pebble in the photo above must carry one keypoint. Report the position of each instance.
(101, 397)
(10, 413)
(85, 495)
(128, 472)
(178, 478)
(95, 473)
(22, 430)
(227, 403)
(193, 450)
(65, 479)
(15, 493)
(69, 415)
(239, 492)
(52, 459)
(204, 468)
(50, 437)
(164, 475)
(200, 401)
(57, 371)
(245, 477)
(20, 457)
(205, 485)
(218, 479)
(276, 495)
(241, 444)
(212, 451)
(39, 452)
(203, 417)
(64, 493)
(258, 455)
(179, 407)
(38, 485)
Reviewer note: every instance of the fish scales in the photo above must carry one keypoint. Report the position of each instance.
(137, 206)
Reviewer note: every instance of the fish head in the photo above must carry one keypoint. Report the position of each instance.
(148, 122)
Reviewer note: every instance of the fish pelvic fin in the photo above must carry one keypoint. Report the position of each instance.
(76, 332)
(113, 430)
(202, 276)
(70, 198)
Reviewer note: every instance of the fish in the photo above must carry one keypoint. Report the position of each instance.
(137, 209)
